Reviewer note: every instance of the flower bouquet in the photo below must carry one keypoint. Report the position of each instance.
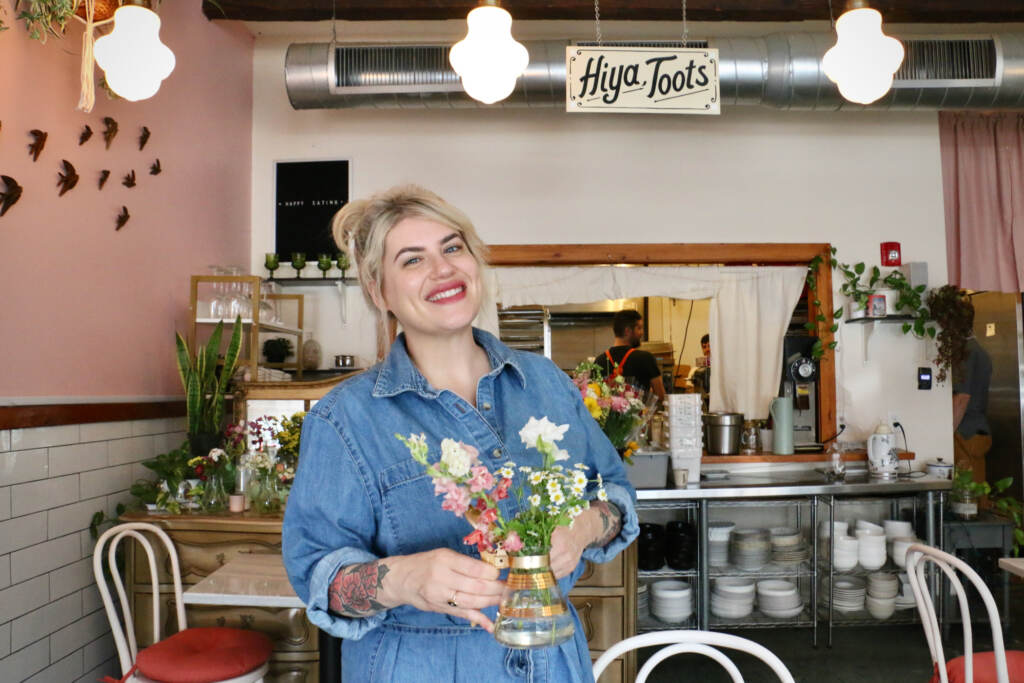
(532, 612)
(213, 470)
(620, 409)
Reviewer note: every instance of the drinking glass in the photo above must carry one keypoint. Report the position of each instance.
(220, 304)
(268, 307)
(240, 303)
(343, 262)
(272, 262)
(298, 263)
(323, 262)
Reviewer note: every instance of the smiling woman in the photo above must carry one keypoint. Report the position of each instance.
(377, 560)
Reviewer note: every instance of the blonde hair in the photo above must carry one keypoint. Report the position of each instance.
(361, 227)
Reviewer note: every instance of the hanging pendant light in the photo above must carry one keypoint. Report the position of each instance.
(132, 57)
(488, 59)
(863, 60)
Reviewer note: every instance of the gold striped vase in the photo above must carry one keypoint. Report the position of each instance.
(532, 613)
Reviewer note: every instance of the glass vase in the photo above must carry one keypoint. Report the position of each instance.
(532, 613)
(265, 493)
(215, 494)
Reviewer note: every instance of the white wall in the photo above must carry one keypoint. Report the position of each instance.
(542, 176)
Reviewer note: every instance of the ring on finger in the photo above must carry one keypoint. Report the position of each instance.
(451, 600)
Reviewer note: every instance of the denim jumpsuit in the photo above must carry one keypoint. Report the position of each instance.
(359, 496)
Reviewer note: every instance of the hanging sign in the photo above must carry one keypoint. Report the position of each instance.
(641, 80)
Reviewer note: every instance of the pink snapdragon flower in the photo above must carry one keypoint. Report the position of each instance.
(481, 480)
(456, 499)
(620, 404)
(512, 542)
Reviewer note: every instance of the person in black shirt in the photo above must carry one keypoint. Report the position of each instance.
(639, 368)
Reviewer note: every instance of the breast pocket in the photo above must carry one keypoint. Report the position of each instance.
(413, 513)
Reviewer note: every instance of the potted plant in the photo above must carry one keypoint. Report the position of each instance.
(277, 349)
(171, 469)
(952, 311)
(205, 388)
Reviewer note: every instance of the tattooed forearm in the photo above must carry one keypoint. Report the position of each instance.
(354, 590)
(611, 522)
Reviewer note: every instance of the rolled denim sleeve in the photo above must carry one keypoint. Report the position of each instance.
(329, 523)
(602, 457)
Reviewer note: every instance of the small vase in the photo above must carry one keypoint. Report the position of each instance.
(265, 493)
(310, 353)
(532, 613)
(215, 495)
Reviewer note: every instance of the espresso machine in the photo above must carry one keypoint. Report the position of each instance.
(800, 381)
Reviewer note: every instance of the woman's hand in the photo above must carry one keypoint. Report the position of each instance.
(594, 527)
(429, 580)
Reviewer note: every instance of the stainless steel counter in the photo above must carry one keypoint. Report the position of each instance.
(798, 483)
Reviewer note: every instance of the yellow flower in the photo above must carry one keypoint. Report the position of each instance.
(591, 404)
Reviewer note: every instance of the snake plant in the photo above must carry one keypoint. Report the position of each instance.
(204, 389)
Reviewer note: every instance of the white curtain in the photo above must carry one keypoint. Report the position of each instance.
(748, 319)
(750, 309)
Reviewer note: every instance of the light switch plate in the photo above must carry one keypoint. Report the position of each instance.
(990, 329)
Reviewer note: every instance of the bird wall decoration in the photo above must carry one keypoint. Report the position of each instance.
(38, 142)
(11, 194)
(68, 179)
(110, 132)
(143, 138)
(129, 179)
(122, 218)
(154, 168)
(104, 174)
(85, 135)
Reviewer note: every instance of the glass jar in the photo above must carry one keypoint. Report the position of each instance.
(532, 613)
(750, 437)
(215, 495)
(963, 504)
(264, 493)
(310, 353)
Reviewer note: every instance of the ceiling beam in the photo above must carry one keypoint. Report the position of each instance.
(897, 11)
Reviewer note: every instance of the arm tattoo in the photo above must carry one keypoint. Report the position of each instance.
(611, 522)
(353, 592)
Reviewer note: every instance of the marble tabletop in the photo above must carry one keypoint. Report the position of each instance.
(1014, 565)
(249, 580)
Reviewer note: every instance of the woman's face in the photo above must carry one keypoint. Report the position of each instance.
(430, 280)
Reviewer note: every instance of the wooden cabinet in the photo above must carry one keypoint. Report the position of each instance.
(605, 598)
(204, 543)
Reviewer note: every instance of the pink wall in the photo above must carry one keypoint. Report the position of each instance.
(85, 310)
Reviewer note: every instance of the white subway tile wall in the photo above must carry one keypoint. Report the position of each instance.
(52, 481)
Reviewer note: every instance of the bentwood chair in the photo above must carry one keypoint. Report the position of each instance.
(699, 642)
(192, 655)
(998, 666)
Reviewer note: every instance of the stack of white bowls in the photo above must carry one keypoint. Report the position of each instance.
(671, 601)
(844, 553)
(788, 546)
(883, 588)
(750, 549)
(848, 593)
(685, 424)
(779, 599)
(896, 528)
(732, 598)
(826, 533)
(642, 597)
(898, 552)
(871, 548)
(718, 543)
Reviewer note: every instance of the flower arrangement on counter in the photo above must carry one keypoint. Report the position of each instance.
(553, 494)
(620, 409)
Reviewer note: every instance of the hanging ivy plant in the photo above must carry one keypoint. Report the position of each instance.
(951, 309)
(816, 327)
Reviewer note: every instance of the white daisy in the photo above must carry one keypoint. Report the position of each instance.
(602, 495)
(536, 478)
(535, 500)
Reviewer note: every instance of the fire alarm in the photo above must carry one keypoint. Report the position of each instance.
(891, 254)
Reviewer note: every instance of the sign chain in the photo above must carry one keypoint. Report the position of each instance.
(597, 20)
(686, 31)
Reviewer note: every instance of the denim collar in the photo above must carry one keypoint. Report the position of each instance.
(398, 374)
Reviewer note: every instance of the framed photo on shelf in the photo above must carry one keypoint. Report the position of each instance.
(307, 195)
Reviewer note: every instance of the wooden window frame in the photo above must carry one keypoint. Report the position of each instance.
(767, 254)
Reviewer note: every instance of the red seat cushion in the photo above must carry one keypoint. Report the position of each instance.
(985, 668)
(204, 655)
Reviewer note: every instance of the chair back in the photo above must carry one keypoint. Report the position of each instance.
(918, 557)
(700, 642)
(124, 633)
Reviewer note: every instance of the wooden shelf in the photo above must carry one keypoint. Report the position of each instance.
(884, 319)
(266, 327)
(848, 456)
(312, 281)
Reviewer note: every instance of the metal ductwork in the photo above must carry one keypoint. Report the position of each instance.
(780, 71)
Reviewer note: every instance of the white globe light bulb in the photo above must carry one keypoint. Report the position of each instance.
(488, 59)
(132, 57)
(863, 60)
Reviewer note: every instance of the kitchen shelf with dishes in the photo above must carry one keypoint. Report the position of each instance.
(313, 281)
(216, 298)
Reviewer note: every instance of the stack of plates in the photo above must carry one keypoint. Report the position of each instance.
(788, 546)
(732, 598)
(718, 543)
(883, 588)
(827, 533)
(871, 548)
(779, 599)
(750, 549)
(848, 593)
(642, 604)
(671, 601)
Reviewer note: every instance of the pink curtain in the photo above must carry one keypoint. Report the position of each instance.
(983, 187)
